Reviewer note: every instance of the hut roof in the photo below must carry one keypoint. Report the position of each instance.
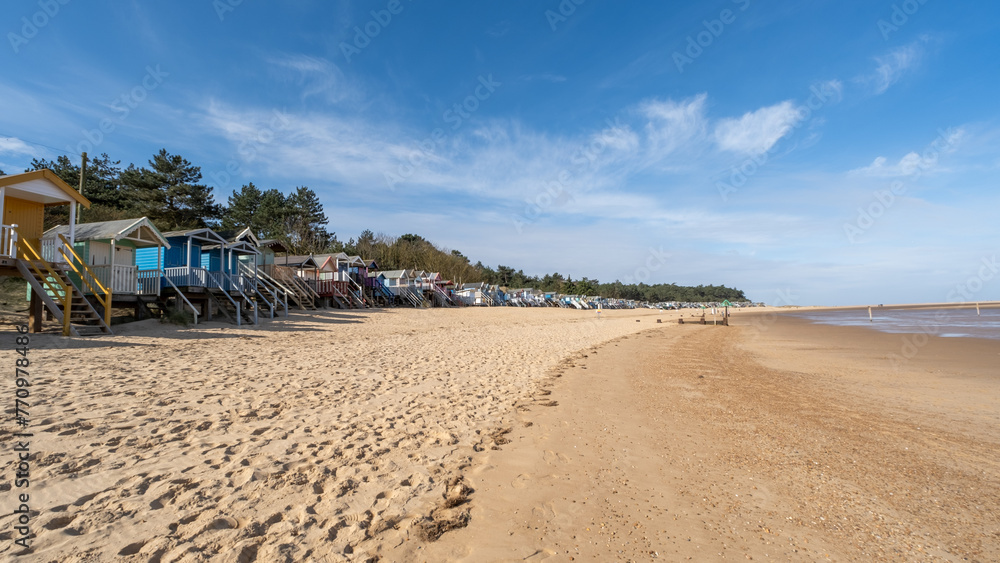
(203, 234)
(42, 186)
(140, 231)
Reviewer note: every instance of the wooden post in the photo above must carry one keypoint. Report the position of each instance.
(83, 173)
(869, 314)
(977, 310)
(35, 313)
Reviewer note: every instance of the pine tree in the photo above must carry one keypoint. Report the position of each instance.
(169, 194)
(272, 215)
(243, 210)
(307, 222)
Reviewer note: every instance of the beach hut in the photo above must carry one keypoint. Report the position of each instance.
(198, 271)
(269, 251)
(23, 200)
(109, 250)
(375, 286)
(400, 283)
(475, 294)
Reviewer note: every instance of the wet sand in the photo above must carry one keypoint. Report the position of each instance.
(773, 439)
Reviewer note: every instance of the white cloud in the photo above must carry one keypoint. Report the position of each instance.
(914, 163)
(316, 76)
(892, 66)
(756, 132)
(13, 145)
(673, 124)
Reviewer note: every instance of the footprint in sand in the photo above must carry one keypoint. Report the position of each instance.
(59, 522)
(521, 481)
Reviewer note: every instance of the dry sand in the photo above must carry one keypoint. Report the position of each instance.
(327, 437)
(512, 435)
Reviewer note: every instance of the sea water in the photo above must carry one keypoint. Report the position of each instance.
(947, 322)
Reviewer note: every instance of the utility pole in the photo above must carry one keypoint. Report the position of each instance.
(83, 173)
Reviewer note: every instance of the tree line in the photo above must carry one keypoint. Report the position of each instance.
(169, 191)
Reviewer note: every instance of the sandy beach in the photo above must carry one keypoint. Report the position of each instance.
(324, 437)
(512, 434)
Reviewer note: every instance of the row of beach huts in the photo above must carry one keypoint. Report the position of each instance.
(77, 274)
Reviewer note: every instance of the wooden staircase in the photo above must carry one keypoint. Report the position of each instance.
(61, 296)
(298, 290)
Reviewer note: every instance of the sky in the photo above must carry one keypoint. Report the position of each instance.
(809, 153)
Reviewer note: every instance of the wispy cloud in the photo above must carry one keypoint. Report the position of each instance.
(891, 67)
(542, 77)
(672, 125)
(316, 76)
(15, 146)
(757, 131)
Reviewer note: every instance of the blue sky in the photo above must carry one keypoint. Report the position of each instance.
(807, 152)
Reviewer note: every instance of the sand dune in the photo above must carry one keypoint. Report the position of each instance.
(323, 437)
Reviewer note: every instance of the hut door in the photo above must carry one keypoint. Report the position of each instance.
(124, 256)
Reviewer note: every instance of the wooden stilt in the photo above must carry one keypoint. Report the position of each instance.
(35, 313)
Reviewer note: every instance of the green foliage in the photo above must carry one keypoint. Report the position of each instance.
(305, 223)
(169, 193)
(175, 317)
(101, 186)
(506, 276)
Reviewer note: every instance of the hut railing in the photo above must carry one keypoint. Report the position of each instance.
(186, 276)
(324, 287)
(120, 278)
(50, 250)
(148, 282)
(8, 241)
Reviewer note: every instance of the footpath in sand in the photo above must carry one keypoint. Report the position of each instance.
(338, 436)
(775, 440)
